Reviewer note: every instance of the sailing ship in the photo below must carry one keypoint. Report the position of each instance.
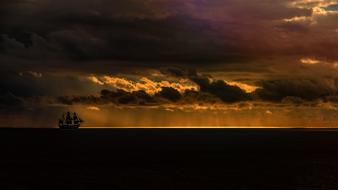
(70, 122)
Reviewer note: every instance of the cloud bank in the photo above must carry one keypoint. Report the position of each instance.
(168, 54)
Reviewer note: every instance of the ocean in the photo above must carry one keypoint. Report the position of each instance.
(161, 159)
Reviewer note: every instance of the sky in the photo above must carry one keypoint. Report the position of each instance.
(169, 63)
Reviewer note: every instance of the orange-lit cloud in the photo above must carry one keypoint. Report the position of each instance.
(93, 108)
(309, 61)
(318, 8)
(313, 61)
(296, 19)
(144, 83)
(95, 80)
(246, 87)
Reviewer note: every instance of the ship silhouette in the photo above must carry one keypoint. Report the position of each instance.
(70, 122)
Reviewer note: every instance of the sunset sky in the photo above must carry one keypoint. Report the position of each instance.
(151, 63)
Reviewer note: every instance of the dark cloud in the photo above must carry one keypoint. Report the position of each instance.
(23, 37)
(218, 88)
(210, 91)
(169, 93)
(117, 97)
(281, 90)
(31, 84)
(9, 102)
(306, 89)
(122, 97)
(133, 32)
(165, 31)
(35, 84)
(176, 72)
(221, 89)
(333, 98)
(193, 97)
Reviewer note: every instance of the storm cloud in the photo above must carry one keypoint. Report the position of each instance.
(168, 31)
(172, 53)
(306, 89)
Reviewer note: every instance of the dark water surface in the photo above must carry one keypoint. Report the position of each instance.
(163, 159)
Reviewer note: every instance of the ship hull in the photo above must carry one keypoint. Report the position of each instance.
(69, 126)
